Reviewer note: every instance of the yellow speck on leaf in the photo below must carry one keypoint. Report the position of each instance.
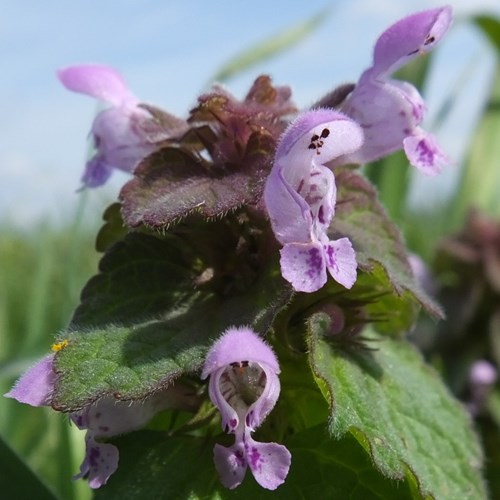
(59, 345)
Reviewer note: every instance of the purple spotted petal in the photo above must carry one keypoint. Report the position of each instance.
(236, 345)
(423, 152)
(269, 462)
(99, 81)
(100, 462)
(35, 387)
(341, 261)
(303, 265)
(409, 37)
(231, 464)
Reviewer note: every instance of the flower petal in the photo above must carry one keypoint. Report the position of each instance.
(269, 462)
(320, 134)
(95, 80)
(290, 215)
(109, 417)
(341, 261)
(96, 172)
(100, 462)
(230, 464)
(35, 387)
(423, 152)
(303, 265)
(388, 112)
(236, 345)
(259, 410)
(409, 37)
(229, 417)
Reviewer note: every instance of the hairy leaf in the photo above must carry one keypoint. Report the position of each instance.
(131, 360)
(218, 165)
(399, 410)
(136, 281)
(173, 183)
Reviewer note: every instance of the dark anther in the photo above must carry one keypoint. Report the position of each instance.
(312, 146)
(325, 133)
(314, 138)
(429, 39)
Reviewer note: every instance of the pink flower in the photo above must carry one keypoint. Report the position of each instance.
(390, 111)
(122, 133)
(244, 386)
(107, 417)
(300, 197)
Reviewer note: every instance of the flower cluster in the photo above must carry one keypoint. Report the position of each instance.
(227, 155)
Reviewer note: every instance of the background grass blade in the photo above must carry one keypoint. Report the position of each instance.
(269, 47)
(17, 480)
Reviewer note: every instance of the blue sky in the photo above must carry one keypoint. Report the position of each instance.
(167, 51)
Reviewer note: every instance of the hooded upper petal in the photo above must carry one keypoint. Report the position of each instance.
(35, 387)
(96, 80)
(409, 37)
(235, 345)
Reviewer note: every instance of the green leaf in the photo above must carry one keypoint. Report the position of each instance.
(134, 360)
(153, 465)
(113, 229)
(136, 281)
(270, 47)
(17, 480)
(379, 246)
(400, 411)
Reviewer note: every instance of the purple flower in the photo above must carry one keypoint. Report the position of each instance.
(300, 197)
(244, 386)
(482, 377)
(121, 133)
(391, 111)
(107, 417)
(35, 387)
